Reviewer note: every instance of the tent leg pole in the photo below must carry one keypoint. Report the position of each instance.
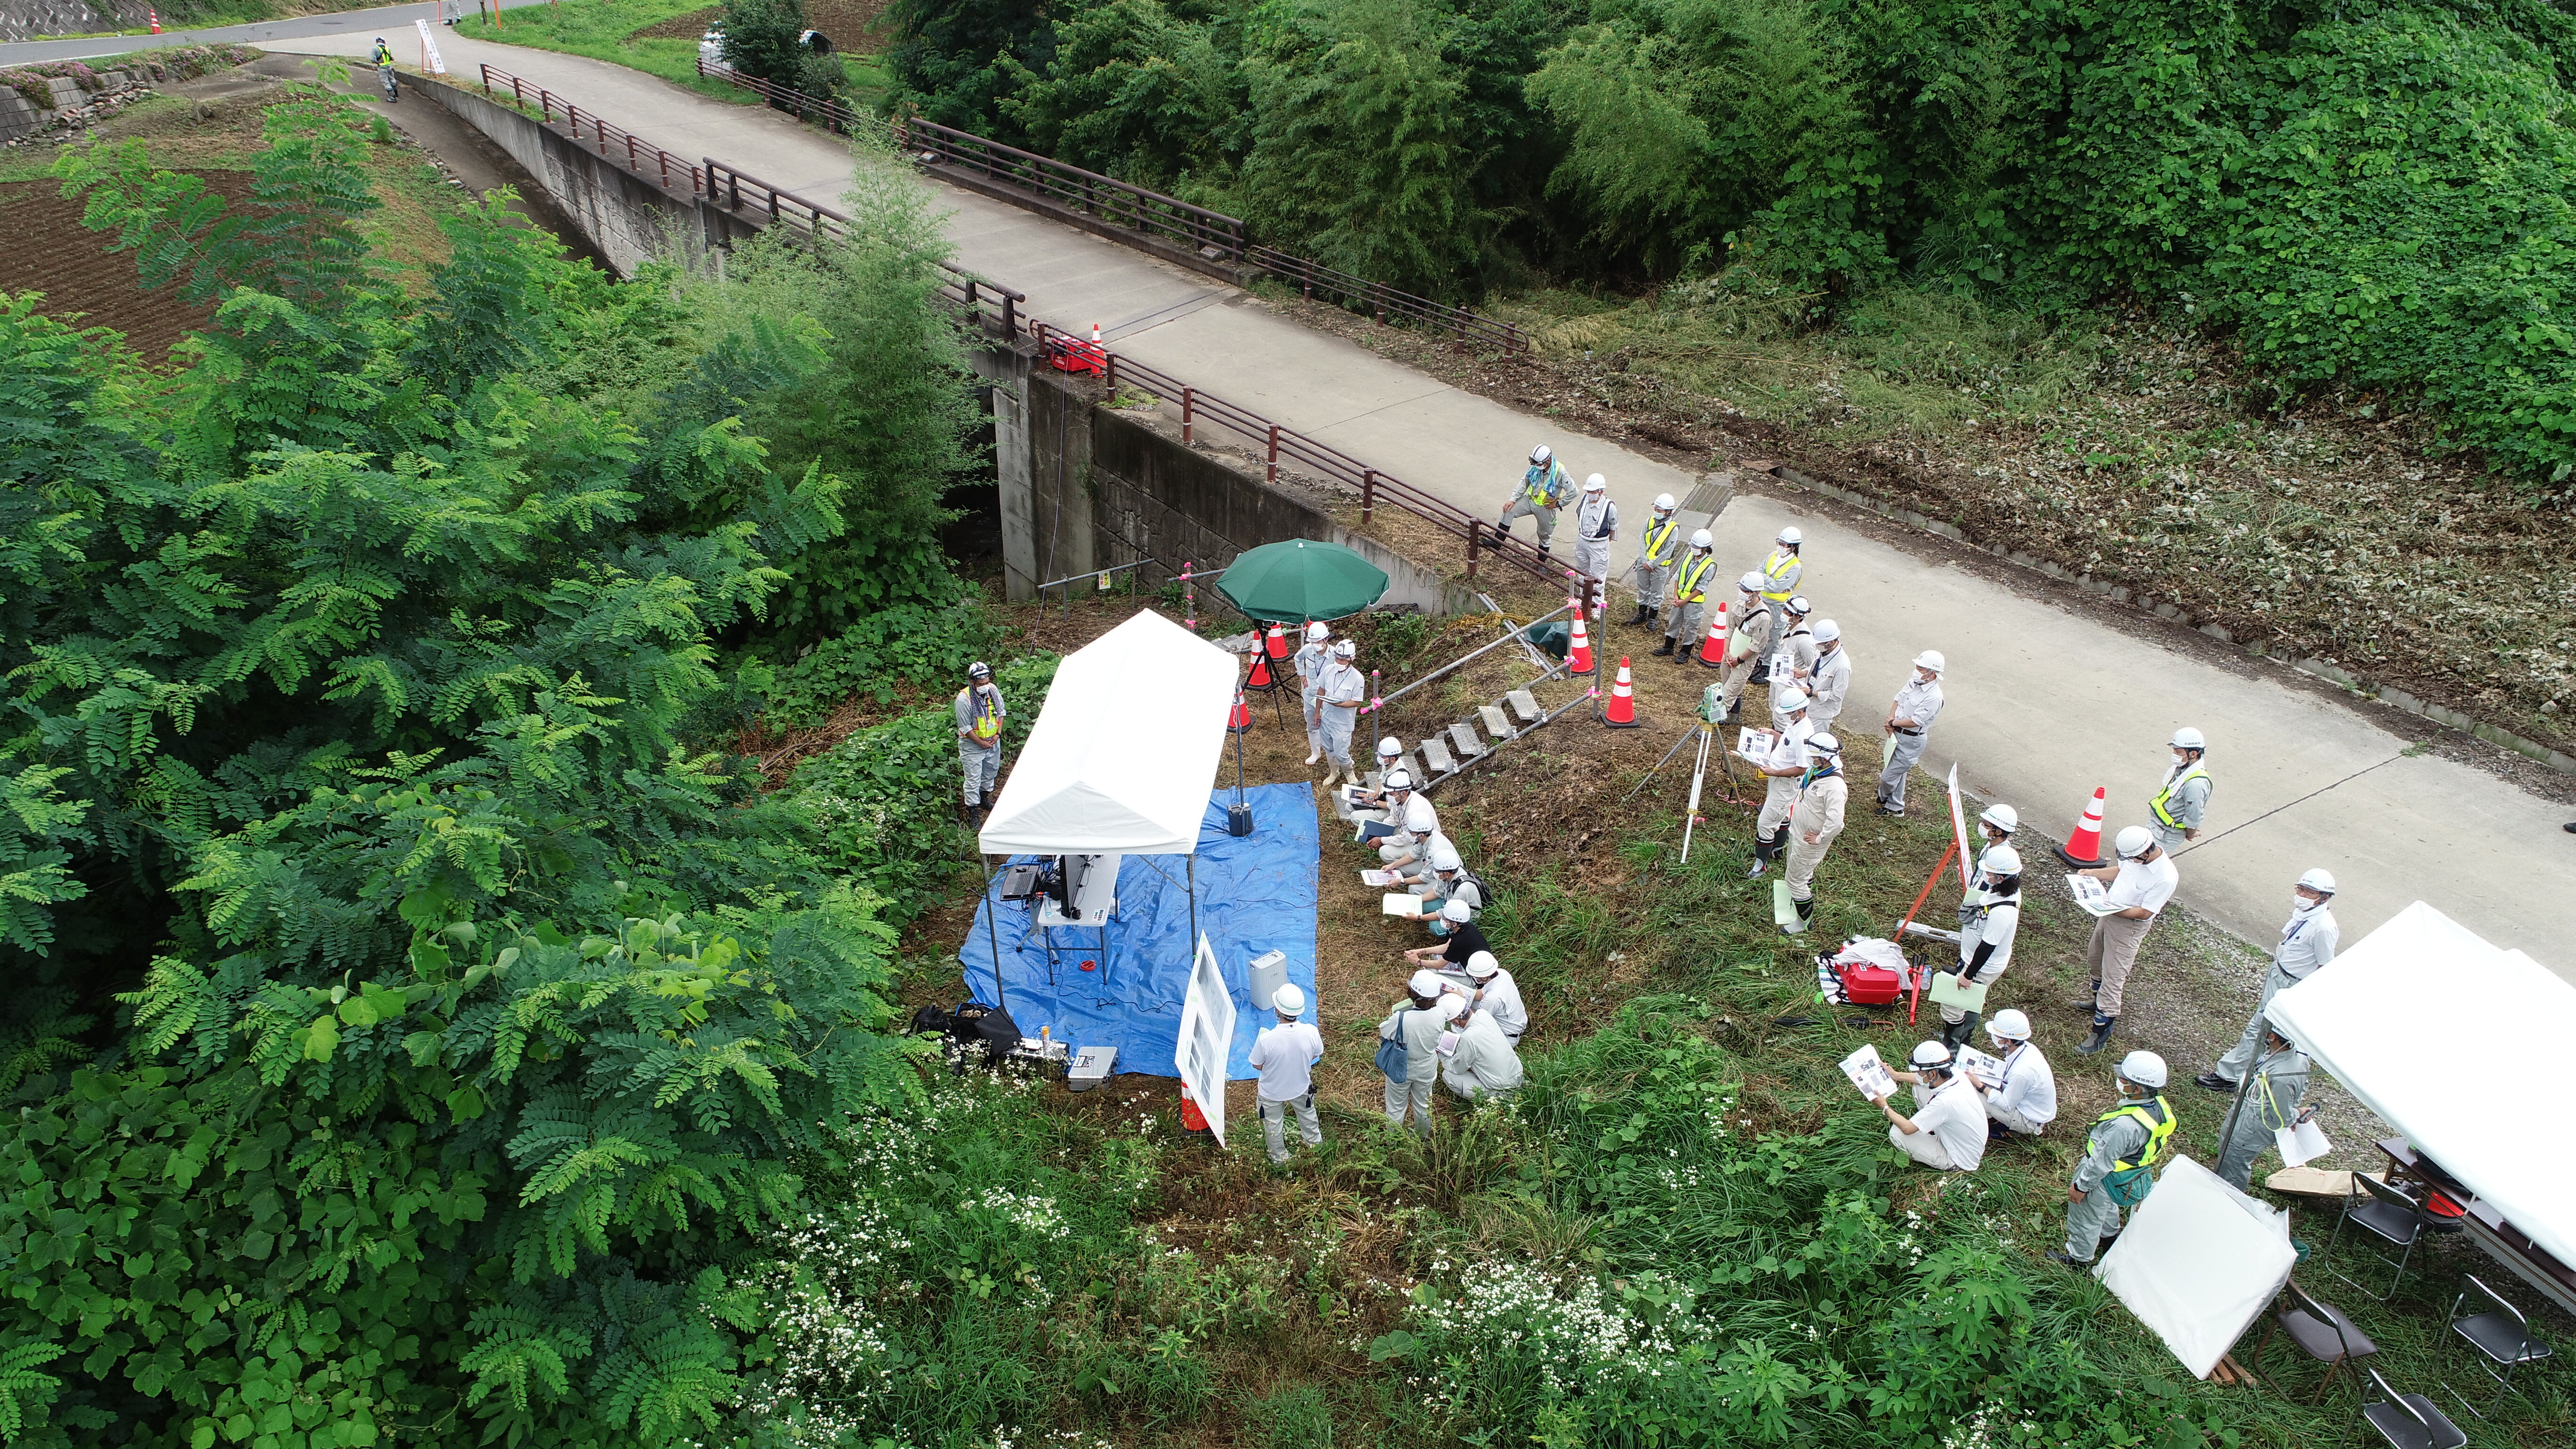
(993, 936)
(1193, 869)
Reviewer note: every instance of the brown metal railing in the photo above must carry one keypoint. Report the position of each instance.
(741, 194)
(1382, 302)
(611, 141)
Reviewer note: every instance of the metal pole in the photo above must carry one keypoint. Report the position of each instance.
(1699, 773)
(1193, 870)
(2244, 1088)
(992, 933)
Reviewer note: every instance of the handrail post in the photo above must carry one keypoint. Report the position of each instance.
(1472, 532)
(1368, 495)
(1189, 404)
(1010, 315)
(1273, 467)
(1109, 376)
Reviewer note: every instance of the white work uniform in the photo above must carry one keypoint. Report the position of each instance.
(1827, 683)
(1950, 1128)
(2114, 947)
(1780, 792)
(1415, 822)
(1342, 683)
(1921, 703)
(1819, 813)
(1746, 649)
(2025, 1100)
(1482, 1059)
(1311, 659)
(1656, 551)
(2307, 943)
(1285, 1056)
(1501, 995)
(1793, 654)
(1596, 518)
(1988, 920)
(1420, 1033)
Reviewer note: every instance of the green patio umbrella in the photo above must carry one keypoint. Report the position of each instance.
(1301, 579)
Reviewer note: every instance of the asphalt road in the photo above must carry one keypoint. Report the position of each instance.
(384, 21)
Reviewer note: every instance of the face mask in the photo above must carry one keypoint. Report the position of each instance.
(2178, 759)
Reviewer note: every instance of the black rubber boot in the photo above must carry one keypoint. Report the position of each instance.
(1643, 614)
(1964, 1034)
(1654, 618)
(2101, 1035)
(1667, 649)
(1806, 912)
(1761, 856)
(2087, 1004)
(2214, 1082)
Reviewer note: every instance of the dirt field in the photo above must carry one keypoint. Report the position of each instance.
(850, 23)
(82, 279)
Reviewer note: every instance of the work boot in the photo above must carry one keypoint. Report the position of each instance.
(2060, 1255)
(1654, 618)
(2101, 1036)
(1643, 614)
(1806, 912)
(2087, 1004)
(1667, 649)
(2214, 1082)
(1761, 856)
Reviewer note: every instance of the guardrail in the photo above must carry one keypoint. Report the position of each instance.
(1147, 212)
(1280, 442)
(742, 194)
(606, 137)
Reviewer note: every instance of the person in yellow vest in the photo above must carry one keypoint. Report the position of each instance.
(2118, 1155)
(980, 713)
(1542, 492)
(1780, 571)
(2177, 808)
(1690, 597)
(1656, 553)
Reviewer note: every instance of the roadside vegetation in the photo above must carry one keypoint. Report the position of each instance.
(660, 37)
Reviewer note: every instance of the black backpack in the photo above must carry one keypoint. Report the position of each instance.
(974, 1024)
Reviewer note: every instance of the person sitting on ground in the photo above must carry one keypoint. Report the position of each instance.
(1372, 798)
(1419, 871)
(1948, 1129)
(1464, 938)
(1447, 879)
(1285, 1056)
(1477, 1058)
(1410, 821)
(1415, 1024)
(2023, 1098)
(1495, 990)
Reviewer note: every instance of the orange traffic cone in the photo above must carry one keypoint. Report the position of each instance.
(1712, 650)
(1623, 701)
(1278, 643)
(1578, 657)
(1260, 677)
(155, 14)
(1241, 718)
(2083, 849)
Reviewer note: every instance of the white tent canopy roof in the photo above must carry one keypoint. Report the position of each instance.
(1123, 755)
(2457, 1045)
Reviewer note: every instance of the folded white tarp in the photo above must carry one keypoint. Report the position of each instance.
(2459, 1046)
(1123, 755)
(2197, 1262)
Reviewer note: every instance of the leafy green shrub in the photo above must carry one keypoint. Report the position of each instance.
(763, 38)
(916, 644)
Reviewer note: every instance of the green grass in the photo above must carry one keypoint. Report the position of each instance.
(605, 30)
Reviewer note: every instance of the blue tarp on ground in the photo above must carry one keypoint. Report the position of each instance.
(1255, 895)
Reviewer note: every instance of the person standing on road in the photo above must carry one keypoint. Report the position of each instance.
(1337, 710)
(1285, 1056)
(1542, 492)
(2179, 806)
(1828, 680)
(1909, 727)
(1415, 1024)
(2271, 1105)
(1750, 644)
(1596, 523)
(1690, 597)
(2119, 1156)
(2023, 1100)
(2140, 885)
(980, 714)
(1781, 770)
(2307, 946)
(1781, 570)
(1816, 821)
(1656, 552)
(1310, 660)
(1986, 930)
(1793, 654)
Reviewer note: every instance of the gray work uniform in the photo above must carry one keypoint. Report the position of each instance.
(1794, 654)
(2190, 802)
(1921, 703)
(1420, 1033)
(1656, 552)
(1596, 518)
(1542, 491)
(1342, 683)
(981, 765)
(1310, 660)
(1691, 578)
(1828, 684)
(2119, 1140)
(2271, 1103)
(2307, 943)
(1780, 576)
(1745, 651)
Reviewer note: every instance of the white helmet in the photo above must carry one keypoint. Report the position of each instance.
(2002, 817)
(1388, 747)
(1703, 539)
(1540, 454)
(1931, 1054)
(2144, 1068)
(2008, 1025)
(2132, 842)
(1482, 964)
(1931, 659)
(1751, 583)
(1345, 649)
(1444, 856)
(1288, 1000)
(2188, 738)
(1798, 605)
(2000, 860)
(1399, 779)
(2319, 879)
(1791, 700)
(1792, 537)
(1824, 745)
(1425, 984)
(1454, 1004)
(1664, 503)
(1595, 484)
(1827, 631)
(1455, 910)
(1317, 629)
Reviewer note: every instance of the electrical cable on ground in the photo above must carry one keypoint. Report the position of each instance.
(2311, 795)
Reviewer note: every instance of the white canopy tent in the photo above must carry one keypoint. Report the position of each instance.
(2458, 1045)
(1121, 757)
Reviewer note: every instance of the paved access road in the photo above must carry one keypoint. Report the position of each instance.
(384, 21)
(2046, 702)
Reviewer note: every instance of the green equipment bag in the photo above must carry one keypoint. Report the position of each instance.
(2130, 1188)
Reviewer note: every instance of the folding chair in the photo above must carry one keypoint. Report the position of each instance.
(2410, 1421)
(2392, 1214)
(2502, 1335)
(2321, 1332)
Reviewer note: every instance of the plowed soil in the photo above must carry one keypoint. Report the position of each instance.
(51, 252)
(850, 23)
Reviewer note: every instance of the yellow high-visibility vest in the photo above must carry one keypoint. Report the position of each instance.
(1779, 575)
(1691, 586)
(2165, 795)
(2160, 1130)
(1659, 535)
(988, 719)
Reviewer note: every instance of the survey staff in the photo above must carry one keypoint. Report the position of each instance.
(1782, 768)
(1543, 490)
(2272, 1104)
(1311, 659)
(1947, 1132)
(1909, 728)
(1596, 524)
(1750, 642)
(1337, 710)
(1491, 988)
(1477, 1059)
(2178, 808)
(2022, 1099)
(2307, 946)
(1285, 1056)
(1816, 821)
(1828, 680)
(1690, 598)
(1657, 552)
(1462, 940)
(2119, 1156)
(1793, 652)
(1986, 932)
(1415, 1026)
(1781, 570)
(980, 714)
(1409, 824)
(2140, 885)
